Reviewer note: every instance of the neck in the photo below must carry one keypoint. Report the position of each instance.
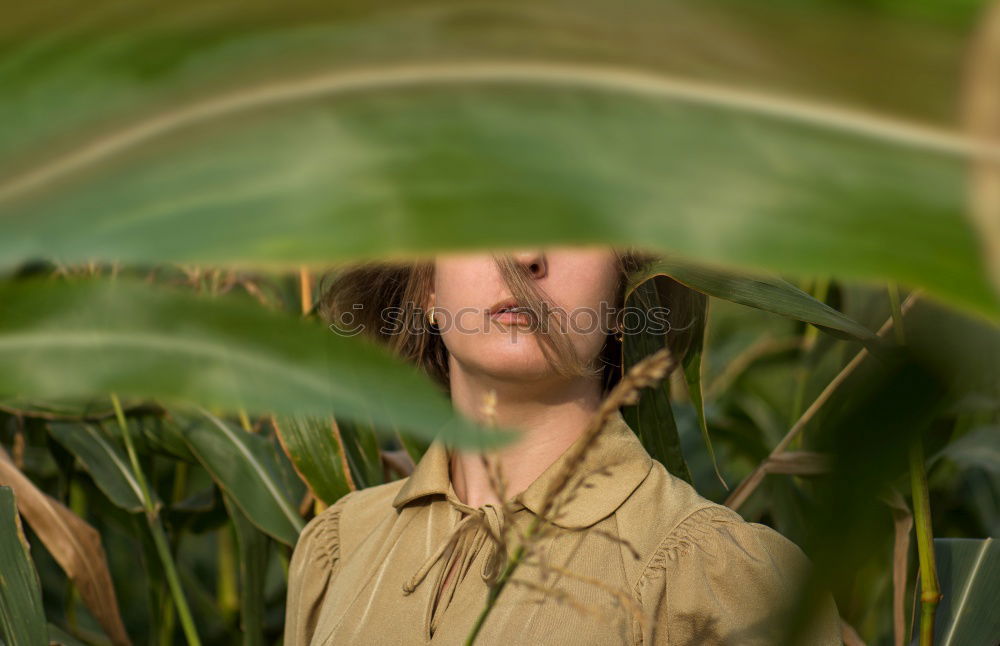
(551, 415)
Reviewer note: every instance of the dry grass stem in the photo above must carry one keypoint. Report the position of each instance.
(752, 481)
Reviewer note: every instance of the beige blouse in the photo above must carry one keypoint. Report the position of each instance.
(370, 568)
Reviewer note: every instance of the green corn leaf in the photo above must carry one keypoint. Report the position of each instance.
(692, 376)
(363, 454)
(309, 132)
(93, 337)
(22, 619)
(312, 446)
(969, 575)
(763, 292)
(245, 468)
(652, 418)
(252, 548)
(106, 463)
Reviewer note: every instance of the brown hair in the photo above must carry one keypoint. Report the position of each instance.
(362, 294)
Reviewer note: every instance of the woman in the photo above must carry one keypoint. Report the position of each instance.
(632, 556)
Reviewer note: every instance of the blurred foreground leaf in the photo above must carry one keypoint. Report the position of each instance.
(93, 337)
(305, 133)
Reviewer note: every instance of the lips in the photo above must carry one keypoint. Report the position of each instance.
(504, 305)
(507, 305)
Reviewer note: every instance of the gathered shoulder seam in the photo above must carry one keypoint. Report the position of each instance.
(696, 526)
(326, 537)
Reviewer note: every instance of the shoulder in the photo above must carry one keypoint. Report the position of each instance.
(324, 541)
(706, 575)
(349, 520)
(665, 518)
(714, 539)
(371, 504)
(661, 512)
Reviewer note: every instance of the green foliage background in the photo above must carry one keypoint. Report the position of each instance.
(169, 173)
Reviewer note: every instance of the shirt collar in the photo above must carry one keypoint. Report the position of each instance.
(616, 451)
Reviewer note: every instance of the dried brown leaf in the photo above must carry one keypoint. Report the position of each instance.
(74, 544)
(903, 520)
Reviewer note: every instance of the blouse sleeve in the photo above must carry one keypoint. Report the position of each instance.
(312, 566)
(717, 579)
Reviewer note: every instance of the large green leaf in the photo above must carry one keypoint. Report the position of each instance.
(308, 132)
(652, 418)
(107, 465)
(22, 619)
(969, 574)
(94, 337)
(245, 467)
(768, 293)
(692, 377)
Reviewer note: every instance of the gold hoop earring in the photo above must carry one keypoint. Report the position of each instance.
(430, 316)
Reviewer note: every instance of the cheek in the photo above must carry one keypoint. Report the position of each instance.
(589, 301)
(587, 296)
(588, 337)
(492, 350)
(463, 284)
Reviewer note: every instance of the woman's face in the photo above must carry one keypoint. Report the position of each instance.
(578, 281)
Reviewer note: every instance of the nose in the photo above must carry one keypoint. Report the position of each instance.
(534, 261)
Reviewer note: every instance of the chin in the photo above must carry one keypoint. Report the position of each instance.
(502, 359)
(518, 373)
